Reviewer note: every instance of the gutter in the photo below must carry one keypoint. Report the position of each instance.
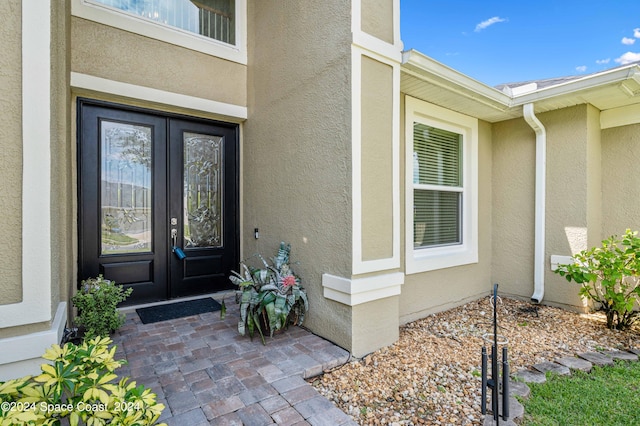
(540, 201)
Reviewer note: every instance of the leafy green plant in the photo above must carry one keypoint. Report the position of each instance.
(271, 297)
(79, 384)
(97, 302)
(609, 275)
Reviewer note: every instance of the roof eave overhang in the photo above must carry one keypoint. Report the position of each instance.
(619, 81)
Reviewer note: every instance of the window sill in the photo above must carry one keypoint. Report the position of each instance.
(431, 259)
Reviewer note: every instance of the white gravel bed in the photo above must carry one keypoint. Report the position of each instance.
(432, 374)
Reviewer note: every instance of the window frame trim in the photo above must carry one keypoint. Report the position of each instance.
(129, 22)
(438, 257)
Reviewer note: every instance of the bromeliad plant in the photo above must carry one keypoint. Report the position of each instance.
(610, 276)
(79, 386)
(270, 296)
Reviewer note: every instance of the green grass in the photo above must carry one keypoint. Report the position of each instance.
(605, 396)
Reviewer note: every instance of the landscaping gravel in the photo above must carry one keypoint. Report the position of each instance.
(431, 375)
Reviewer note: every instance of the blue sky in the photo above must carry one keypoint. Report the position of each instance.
(512, 41)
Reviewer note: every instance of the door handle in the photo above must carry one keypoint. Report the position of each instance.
(174, 245)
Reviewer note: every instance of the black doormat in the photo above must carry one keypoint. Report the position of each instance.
(177, 310)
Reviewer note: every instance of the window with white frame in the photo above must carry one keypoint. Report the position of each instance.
(441, 197)
(215, 27)
(210, 18)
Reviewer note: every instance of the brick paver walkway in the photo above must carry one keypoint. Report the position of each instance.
(205, 373)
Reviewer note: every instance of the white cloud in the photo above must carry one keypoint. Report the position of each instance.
(484, 24)
(636, 32)
(627, 40)
(627, 58)
(581, 68)
(603, 61)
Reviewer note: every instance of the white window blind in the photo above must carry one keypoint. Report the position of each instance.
(438, 189)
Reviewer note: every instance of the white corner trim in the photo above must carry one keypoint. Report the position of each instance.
(622, 116)
(373, 44)
(362, 290)
(33, 345)
(36, 173)
(360, 266)
(155, 30)
(233, 112)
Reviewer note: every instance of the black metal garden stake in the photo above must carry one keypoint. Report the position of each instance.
(494, 382)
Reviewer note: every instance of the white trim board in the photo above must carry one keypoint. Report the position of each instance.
(356, 291)
(25, 356)
(36, 173)
(233, 113)
(360, 266)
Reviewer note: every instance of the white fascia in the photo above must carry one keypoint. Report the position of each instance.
(228, 112)
(36, 174)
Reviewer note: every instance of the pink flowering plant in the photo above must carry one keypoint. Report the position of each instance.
(270, 296)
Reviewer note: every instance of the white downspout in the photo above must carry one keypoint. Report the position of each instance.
(540, 200)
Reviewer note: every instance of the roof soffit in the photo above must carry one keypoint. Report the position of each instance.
(429, 80)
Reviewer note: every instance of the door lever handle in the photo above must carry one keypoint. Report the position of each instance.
(174, 246)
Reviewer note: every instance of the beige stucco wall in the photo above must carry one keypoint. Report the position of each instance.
(110, 53)
(375, 324)
(296, 164)
(620, 186)
(11, 147)
(377, 18)
(63, 214)
(572, 198)
(434, 291)
(377, 159)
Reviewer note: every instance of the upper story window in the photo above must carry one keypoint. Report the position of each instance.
(441, 187)
(210, 18)
(214, 27)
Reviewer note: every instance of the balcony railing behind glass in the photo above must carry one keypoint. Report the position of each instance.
(210, 18)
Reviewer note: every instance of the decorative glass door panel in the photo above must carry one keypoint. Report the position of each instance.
(158, 201)
(203, 190)
(126, 188)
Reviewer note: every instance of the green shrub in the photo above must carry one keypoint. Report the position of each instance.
(97, 302)
(79, 385)
(609, 275)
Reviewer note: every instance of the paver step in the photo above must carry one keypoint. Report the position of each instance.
(575, 363)
(622, 355)
(530, 376)
(596, 358)
(552, 367)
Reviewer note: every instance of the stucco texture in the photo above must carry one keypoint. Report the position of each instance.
(63, 215)
(620, 186)
(296, 154)
(11, 147)
(377, 18)
(377, 160)
(572, 198)
(428, 292)
(97, 51)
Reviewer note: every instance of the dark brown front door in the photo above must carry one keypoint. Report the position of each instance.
(158, 201)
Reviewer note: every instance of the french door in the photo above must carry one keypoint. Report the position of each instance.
(158, 201)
